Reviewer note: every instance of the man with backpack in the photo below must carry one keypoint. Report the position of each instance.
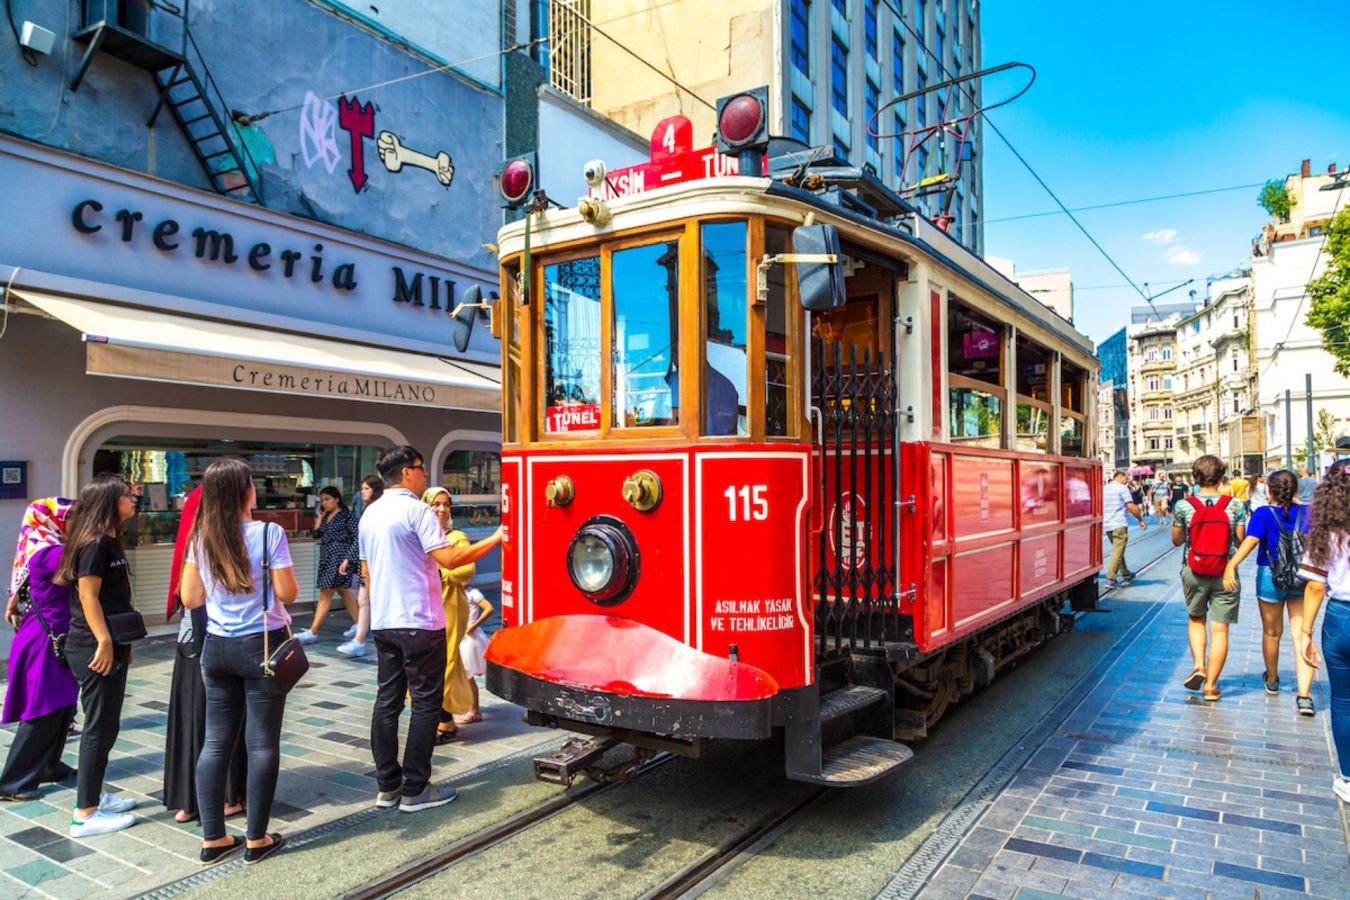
(1209, 525)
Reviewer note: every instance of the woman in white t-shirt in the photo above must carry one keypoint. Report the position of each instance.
(1326, 565)
(224, 571)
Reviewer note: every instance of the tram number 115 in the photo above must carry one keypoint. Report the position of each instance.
(753, 503)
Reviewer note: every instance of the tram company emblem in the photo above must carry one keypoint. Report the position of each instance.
(848, 520)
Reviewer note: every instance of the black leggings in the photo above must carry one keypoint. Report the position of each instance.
(234, 679)
(101, 698)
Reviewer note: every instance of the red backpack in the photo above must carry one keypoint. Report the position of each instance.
(1209, 538)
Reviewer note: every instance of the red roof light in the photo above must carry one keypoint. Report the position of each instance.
(517, 180)
(740, 119)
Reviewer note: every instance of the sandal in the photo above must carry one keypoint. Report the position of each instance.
(1305, 706)
(446, 735)
(1213, 696)
(1195, 680)
(469, 718)
(216, 854)
(182, 817)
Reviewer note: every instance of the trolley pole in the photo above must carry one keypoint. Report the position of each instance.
(1289, 429)
(1312, 456)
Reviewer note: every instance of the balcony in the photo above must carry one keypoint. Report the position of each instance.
(1157, 366)
(1157, 395)
(1197, 429)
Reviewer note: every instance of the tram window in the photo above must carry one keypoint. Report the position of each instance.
(777, 342)
(646, 320)
(572, 345)
(511, 359)
(975, 364)
(724, 349)
(1073, 409)
(1071, 388)
(1034, 363)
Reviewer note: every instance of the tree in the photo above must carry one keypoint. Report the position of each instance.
(1274, 199)
(1330, 293)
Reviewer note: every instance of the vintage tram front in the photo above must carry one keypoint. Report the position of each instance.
(738, 490)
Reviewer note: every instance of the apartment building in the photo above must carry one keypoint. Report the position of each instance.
(1289, 253)
(1152, 349)
(830, 65)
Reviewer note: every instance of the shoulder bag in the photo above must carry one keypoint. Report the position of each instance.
(288, 662)
(58, 640)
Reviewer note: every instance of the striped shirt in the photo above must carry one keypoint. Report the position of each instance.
(1335, 576)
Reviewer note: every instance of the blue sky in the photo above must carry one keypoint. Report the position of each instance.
(1141, 100)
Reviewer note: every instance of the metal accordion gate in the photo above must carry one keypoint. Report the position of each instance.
(854, 415)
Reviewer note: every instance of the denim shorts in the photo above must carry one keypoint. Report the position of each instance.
(1267, 591)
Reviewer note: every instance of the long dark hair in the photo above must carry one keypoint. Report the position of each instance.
(90, 517)
(1330, 516)
(376, 485)
(333, 492)
(1281, 487)
(217, 536)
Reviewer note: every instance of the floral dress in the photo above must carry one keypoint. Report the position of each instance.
(337, 537)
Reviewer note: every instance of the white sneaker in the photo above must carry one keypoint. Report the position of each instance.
(1341, 786)
(352, 648)
(100, 822)
(350, 632)
(109, 804)
(305, 636)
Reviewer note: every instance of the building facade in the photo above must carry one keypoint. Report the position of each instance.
(1152, 364)
(1053, 287)
(226, 244)
(831, 66)
(1289, 253)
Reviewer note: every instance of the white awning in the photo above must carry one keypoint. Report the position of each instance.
(131, 342)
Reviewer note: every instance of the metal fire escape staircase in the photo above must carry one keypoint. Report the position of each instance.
(121, 28)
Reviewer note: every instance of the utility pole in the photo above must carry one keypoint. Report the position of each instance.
(1288, 429)
(1312, 455)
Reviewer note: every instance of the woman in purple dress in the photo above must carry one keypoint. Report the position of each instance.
(41, 693)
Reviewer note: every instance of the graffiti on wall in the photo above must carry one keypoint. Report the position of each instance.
(395, 156)
(318, 133)
(359, 122)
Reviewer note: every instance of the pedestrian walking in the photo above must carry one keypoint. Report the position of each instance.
(240, 570)
(1260, 493)
(472, 649)
(457, 697)
(186, 732)
(1209, 525)
(1307, 485)
(1117, 503)
(1276, 532)
(372, 486)
(1160, 494)
(402, 545)
(335, 527)
(1241, 491)
(1326, 566)
(98, 645)
(1179, 493)
(41, 693)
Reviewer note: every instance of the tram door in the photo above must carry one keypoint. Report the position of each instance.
(853, 420)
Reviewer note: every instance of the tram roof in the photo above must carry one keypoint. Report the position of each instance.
(741, 195)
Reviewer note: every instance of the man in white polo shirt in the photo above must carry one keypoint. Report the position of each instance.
(402, 544)
(1117, 501)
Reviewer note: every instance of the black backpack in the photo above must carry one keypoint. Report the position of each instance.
(1288, 554)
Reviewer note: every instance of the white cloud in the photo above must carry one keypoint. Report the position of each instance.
(1181, 256)
(1161, 236)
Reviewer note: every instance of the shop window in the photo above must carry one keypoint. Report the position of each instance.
(572, 345)
(975, 377)
(474, 479)
(725, 320)
(646, 320)
(1033, 396)
(287, 477)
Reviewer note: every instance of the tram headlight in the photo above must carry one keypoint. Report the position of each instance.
(603, 561)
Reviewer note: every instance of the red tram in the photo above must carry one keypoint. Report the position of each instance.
(778, 453)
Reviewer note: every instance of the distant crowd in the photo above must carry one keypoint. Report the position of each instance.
(1300, 529)
(71, 605)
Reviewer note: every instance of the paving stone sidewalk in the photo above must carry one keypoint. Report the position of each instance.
(326, 774)
(1148, 791)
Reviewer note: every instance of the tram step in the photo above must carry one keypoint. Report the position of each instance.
(848, 700)
(858, 761)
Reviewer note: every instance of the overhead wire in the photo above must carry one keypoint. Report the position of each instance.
(1137, 200)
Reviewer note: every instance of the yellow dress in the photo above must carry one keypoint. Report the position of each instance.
(458, 698)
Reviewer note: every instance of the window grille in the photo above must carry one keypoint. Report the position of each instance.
(569, 40)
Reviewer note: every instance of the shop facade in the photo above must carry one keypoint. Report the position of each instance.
(151, 327)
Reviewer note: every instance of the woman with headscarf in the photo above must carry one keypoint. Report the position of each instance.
(41, 693)
(458, 697)
(187, 696)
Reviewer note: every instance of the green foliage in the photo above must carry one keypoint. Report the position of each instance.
(1330, 293)
(1274, 199)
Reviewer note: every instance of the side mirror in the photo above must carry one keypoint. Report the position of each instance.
(820, 272)
(464, 315)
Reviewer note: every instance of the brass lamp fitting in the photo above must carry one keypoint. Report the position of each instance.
(559, 491)
(643, 490)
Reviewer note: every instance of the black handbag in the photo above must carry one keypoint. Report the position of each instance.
(58, 640)
(191, 646)
(288, 662)
(125, 627)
